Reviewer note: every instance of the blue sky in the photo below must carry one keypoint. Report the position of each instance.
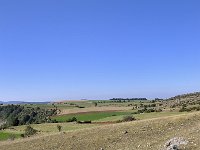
(98, 49)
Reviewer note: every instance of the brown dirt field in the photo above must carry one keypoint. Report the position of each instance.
(92, 109)
(148, 134)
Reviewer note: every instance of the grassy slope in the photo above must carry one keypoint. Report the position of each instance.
(142, 116)
(142, 135)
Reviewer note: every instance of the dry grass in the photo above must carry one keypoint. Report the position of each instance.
(150, 134)
(50, 127)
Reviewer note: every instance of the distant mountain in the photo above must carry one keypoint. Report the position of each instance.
(13, 102)
(22, 102)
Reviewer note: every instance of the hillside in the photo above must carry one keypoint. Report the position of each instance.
(181, 100)
(140, 135)
(187, 97)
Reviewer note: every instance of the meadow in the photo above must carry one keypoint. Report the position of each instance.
(93, 116)
(8, 135)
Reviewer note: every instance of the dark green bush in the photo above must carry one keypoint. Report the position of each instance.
(29, 131)
(183, 109)
(73, 119)
(128, 118)
(59, 127)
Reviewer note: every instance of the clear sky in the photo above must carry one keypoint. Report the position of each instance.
(96, 49)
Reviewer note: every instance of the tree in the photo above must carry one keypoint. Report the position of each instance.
(95, 104)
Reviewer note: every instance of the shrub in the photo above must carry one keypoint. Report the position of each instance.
(73, 119)
(134, 113)
(3, 127)
(140, 111)
(128, 118)
(118, 121)
(95, 104)
(22, 135)
(189, 109)
(80, 106)
(149, 110)
(29, 131)
(89, 121)
(159, 110)
(54, 121)
(183, 109)
(59, 127)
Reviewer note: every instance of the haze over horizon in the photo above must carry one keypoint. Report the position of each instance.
(51, 50)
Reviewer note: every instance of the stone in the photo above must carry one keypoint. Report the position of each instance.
(174, 143)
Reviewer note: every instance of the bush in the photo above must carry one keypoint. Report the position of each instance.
(80, 106)
(118, 121)
(29, 131)
(54, 121)
(128, 118)
(149, 110)
(22, 135)
(59, 127)
(183, 109)
(73, 119)
(159, 110)
(3, 127)
(140, 111)
(134, 113)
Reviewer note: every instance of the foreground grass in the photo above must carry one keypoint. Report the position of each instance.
(140, 135)
(8, 135)
(51, 127)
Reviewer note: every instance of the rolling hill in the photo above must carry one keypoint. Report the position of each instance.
(140, 135)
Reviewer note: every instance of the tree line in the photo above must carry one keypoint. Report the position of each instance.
(14, 115)
(128, 99)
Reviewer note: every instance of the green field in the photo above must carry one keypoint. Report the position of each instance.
(7, 135)
(142, 116)
(90, 116)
